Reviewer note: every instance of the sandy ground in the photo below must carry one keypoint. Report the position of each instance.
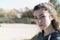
(18, 31)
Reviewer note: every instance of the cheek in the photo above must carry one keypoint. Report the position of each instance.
(43, 22)
(36, 22)
(48, 21)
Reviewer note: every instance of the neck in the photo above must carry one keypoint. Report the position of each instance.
(49, 30)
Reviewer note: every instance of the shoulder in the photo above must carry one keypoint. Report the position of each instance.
(55, 36)
(39, 34)
(36, 36)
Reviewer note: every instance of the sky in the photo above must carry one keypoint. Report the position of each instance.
(59, 1)
(19, 4)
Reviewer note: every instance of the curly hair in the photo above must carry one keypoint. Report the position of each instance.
(51, 8)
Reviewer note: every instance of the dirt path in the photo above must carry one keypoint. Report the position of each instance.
(17, 31)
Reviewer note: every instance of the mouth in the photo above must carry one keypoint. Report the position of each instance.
(41, 25)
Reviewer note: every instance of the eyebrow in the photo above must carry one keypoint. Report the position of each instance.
(39, 15)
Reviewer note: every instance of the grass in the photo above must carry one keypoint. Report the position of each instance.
(58, 18)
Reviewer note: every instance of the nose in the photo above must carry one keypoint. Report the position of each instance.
(39, 20)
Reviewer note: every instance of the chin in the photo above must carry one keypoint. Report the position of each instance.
(42, 28)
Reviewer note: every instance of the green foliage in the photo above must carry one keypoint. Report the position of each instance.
(58, 16)
(24, 20)
(53, 1)
(56, 4)
(27, 14)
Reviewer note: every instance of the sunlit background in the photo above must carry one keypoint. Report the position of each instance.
(16, 19)
(19, 4)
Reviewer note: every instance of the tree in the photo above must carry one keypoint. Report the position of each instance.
(27, 14)
(53, 1)
(56, 4)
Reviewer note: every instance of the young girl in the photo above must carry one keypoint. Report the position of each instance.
(45, 17)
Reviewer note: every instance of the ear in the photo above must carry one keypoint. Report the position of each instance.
(51, 17)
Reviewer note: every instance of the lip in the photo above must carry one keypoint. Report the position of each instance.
(41, 25)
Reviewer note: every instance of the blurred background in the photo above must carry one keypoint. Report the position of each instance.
(16, 19)
(21, 11)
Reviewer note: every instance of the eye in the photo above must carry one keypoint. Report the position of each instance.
(42, 16)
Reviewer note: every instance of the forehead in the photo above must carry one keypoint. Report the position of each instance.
(40, 12)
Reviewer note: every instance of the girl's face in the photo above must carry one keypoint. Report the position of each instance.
(42, 18)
